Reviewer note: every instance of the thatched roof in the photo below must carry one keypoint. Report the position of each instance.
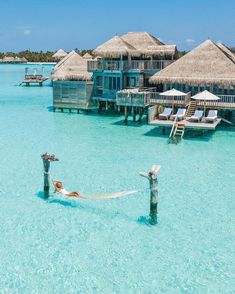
(146, 44)
(134, 44)
(66, 60)
(114, 48)
(206, 64)
(87, 56)
(72, 68)
(226, 50)
(163, 50)
(59, 54)
(141, 40)
(8, 59)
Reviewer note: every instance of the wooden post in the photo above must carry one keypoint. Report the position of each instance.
(47, 158)
(126, 115)
(152, 177)
(134, 113)
(140, 114)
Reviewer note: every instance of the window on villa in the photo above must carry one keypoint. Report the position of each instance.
(112, 83)
(118, 84)
(131, 82)
(99, 81)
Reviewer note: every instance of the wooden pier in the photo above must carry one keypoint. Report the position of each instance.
(34, 76)
(34, 79)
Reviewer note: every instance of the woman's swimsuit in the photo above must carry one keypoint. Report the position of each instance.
(64, 191)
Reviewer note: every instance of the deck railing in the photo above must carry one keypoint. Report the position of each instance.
(139, 99)
(127, 65)
(226, 101)
(143, 98)
(156, 98)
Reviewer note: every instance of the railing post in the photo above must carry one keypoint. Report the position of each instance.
(152, 177)
(47, 158)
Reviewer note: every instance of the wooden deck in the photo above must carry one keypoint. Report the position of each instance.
(34, 79)
(188, 124)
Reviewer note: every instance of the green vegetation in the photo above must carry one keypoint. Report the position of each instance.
(40, 56)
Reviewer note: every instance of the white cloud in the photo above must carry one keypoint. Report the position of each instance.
(190, 41)
(27, 32)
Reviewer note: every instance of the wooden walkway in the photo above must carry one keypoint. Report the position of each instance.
(188, 124)
(31, 79)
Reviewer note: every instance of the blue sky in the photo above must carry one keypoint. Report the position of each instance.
(49, 24)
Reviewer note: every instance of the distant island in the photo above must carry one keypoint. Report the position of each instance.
(37, 56)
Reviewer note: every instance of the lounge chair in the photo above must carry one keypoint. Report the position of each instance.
(180, 114)
(165, 114)
(212, 116)
(198, 114)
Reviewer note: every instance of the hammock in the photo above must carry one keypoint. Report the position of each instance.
(111, 195)
(102, 196)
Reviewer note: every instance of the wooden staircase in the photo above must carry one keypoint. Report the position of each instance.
(179, 130)
(191, 108)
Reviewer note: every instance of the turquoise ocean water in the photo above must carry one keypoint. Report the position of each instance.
(60, 245)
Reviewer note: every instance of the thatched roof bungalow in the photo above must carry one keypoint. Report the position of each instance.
(72, 84)
(60, 54)
(8, 59)
(207, 64)
(66, 60)
(135, 44)
(148, 45)
(24, 59)
(87, 56)
(72, 68)
(115, 48)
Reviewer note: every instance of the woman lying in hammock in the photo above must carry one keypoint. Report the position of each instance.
(60, 189)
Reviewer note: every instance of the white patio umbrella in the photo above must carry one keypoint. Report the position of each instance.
(205, 96)
(173, 93)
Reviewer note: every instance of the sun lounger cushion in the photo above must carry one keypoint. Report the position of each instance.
(166, 113)
(197, 115)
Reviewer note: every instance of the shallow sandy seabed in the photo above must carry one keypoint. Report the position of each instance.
(60, 245)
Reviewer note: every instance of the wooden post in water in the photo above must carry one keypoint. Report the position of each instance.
(152, 177)
(134, 113)
(47, 158)
(140, 114)
(126, 115)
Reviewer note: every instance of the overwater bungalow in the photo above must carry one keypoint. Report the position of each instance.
(208, 67)
(72, 84)
(127, 62)
(59, 55)
(87, 56)
(13, 60)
